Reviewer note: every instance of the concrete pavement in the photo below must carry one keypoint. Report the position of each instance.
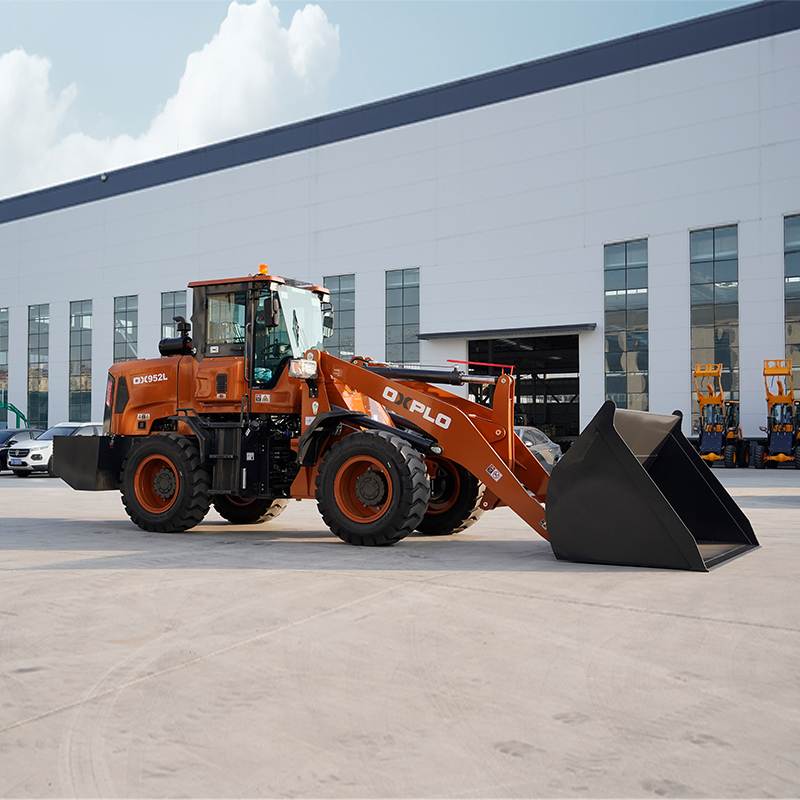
(280, 662)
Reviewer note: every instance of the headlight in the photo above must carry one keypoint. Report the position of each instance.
(303, 368)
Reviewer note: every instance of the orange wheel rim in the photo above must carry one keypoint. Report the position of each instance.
(234, 500)
(156, 484)
(363, 489)
(446, 486)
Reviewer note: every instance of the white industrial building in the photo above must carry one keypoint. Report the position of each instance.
(602, 220)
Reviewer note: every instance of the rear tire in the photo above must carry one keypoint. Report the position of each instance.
(743, 458)
(372, 488)
(758, 457)
(249, 511)
(729, 456)
(164, 485)
(456, 495)
(797, 457)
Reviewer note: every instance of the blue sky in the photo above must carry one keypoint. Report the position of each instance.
(92, 85)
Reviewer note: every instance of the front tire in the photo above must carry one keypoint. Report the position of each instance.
(372, 488)
(249, 511)
(165, 488)
(729, 456)
(455, 501)
(758, 457)
(21, 473)
(50, 471)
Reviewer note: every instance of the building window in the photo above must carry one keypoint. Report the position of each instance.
(402, 316)
(173, 304)
(126, 328)
(791, 260)
(343, 300)
(80, 361)
(714, 279)
(626, 324)
(4, 366)
(38, 356)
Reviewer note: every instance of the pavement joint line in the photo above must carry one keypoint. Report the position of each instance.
(198, 659)
(433, 580)
(631, 609)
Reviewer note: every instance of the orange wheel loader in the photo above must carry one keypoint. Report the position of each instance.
(720, 432)
(250, 412)
(783, 426)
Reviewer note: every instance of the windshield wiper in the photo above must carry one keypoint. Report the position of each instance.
(299, 333)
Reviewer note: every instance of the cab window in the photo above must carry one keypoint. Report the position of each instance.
(225, 320)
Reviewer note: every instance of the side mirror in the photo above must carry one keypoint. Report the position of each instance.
(273, 319)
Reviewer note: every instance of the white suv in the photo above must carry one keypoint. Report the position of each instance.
(37, 456)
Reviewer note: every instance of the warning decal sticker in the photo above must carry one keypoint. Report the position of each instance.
(494, 472)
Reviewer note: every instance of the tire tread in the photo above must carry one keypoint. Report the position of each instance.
(195, 506)
(262, 511)
(729, 456)
(414, 484)
(463, 515)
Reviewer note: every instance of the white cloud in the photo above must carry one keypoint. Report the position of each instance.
(254, 74)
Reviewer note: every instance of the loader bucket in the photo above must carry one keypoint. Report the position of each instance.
(632, 491)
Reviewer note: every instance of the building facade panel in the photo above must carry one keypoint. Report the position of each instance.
(374, 205)
(537, 143)
(505, 209)
(393, 175)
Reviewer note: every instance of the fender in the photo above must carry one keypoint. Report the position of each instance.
(313, 439)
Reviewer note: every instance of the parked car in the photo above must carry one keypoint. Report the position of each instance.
(25, 459)
(11, 436)
(547, 452)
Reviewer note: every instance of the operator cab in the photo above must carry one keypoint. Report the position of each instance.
(732, 415)
(286, 321)
(782, 416)
(712, 417)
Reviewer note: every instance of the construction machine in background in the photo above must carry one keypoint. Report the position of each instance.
(720, 429)
(781, 443)
(250, 412)
(4, 404)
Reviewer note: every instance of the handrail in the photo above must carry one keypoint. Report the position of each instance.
(14, 410)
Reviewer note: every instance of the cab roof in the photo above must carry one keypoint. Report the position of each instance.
(263, 278)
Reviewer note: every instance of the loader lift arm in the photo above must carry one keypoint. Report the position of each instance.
(631, 491)
(480, 439)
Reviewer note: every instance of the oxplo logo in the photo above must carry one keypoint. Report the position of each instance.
(415, 407)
